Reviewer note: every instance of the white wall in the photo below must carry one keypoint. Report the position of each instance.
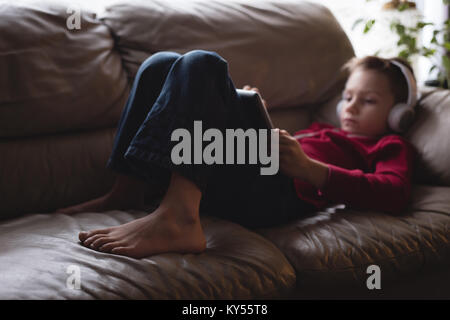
(433, 11)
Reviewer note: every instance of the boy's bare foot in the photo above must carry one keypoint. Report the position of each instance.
(167, 229)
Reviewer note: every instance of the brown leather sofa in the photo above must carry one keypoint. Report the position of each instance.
(61, 95)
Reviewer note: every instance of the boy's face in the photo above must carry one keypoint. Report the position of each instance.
(368, 100)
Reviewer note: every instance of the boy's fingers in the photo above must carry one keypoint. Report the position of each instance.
(283, 133)
(283, 141)
(248, 87)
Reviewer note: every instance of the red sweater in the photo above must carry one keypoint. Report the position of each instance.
(364, 173)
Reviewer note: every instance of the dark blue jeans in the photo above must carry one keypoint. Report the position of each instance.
(170, 91)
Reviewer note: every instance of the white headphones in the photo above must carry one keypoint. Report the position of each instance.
(401, 114)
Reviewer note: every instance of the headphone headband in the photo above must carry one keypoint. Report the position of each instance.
(411, 82)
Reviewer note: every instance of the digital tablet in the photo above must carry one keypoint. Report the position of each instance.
(253, 99)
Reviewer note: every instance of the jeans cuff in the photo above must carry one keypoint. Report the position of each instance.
(121, 166)
(156, 166)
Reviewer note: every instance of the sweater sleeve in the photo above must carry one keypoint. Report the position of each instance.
(387, 189)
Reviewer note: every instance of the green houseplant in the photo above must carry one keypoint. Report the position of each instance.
(437, 51)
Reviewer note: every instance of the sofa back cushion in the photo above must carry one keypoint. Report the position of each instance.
(429, 134)
(55, 78)
(61, 94)
(291, 50)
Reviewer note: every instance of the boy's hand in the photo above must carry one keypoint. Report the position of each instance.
(293, 160)
(247, 87)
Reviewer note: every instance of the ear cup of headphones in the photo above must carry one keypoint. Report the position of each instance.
(339, 107)
(400, 117)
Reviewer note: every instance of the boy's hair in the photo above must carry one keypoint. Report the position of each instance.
(398, 83)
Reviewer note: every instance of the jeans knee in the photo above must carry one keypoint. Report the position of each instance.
(159, 61)
(204, 59)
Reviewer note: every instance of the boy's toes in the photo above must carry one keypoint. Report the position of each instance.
(100, 242)
(88, 237)
(107, 247)
(83, 235)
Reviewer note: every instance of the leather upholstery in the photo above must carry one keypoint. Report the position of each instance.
(62, 97)
(264, 42)
(54, 79)
(428, 133)
(53, 171)
(336, 246)
(37, 252)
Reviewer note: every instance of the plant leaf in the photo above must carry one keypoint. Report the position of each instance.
(399, 28)
(403, 6)
(446, 62)
(356, 23)
(404, 54)
(421, 24)
(369, 25)
(432, 68)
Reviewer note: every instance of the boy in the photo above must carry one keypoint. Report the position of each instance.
(361, 164)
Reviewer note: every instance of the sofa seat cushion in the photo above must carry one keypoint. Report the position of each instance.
(335, 247)
(41, 257)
